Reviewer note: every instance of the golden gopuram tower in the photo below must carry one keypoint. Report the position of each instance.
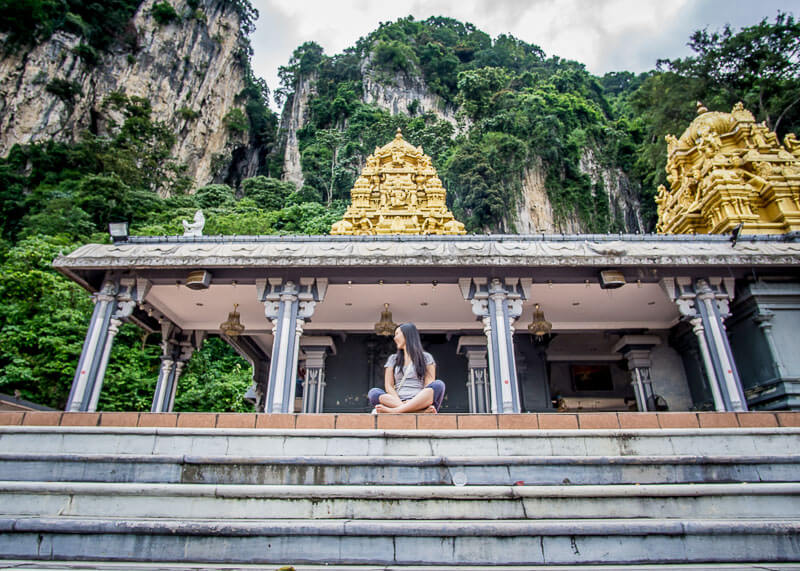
(727, 170)
(398, 192)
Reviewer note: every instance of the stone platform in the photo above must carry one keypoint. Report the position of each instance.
(532, 421)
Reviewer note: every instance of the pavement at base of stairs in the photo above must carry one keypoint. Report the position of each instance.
(28, 565)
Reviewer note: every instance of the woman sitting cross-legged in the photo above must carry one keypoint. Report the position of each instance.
(409, 377)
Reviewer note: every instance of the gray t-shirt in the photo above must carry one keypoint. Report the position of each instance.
(412, 384)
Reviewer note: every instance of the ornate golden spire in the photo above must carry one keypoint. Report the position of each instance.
(398, 192)
(727, 170)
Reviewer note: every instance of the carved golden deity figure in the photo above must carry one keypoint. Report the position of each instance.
(398, 192)
(727, 170)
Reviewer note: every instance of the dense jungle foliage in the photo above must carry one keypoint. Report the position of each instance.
(515, 107)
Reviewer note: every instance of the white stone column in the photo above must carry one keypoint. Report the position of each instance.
(161, 396)
(704, 303)
(708, 364)
(105, 305)
(763, 318)
(636, 350)
(713, 310)
(498, 303)
(474, 348)
(113, 329)
(177, 348)
(316, 350)
(114, 304)
(288, 304)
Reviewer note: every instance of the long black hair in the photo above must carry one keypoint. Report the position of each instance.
(414, 348)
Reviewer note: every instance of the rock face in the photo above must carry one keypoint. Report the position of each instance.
(400, 94)
(403, 94)
(188, 65)
(623, 199)
(534, 211)
(295, 116)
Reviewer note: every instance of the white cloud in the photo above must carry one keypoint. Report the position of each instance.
(605, 35)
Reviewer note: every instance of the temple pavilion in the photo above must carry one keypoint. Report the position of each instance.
(702, 316)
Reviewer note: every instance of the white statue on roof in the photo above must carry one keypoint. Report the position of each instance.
(194, 228)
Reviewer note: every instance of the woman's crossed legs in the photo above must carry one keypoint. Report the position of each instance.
(428, 400)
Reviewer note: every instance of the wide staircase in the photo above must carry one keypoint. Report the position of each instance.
(382, 498)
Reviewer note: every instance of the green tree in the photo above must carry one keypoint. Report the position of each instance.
(236, 120)
(267, 193)
(43, 319)
(164, 13)
(215, 380)
(214, 196)
(477, 89)
(758, 65)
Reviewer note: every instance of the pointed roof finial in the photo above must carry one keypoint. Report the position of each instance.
(701, 108)
(399, 134)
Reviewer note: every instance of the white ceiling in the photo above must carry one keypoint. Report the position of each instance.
(356, 308)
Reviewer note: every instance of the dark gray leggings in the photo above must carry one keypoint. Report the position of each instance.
(438, 387)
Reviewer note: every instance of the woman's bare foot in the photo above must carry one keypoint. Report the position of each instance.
(430, 410)
(383, 409)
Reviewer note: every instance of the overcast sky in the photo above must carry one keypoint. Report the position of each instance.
(605, 35)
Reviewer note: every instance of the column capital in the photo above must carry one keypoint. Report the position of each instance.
(685, 291)
(468, 343)
(481, 290)
(191, 341)
(307, 291)
(483, 287)
(318, 343)
(107, 292)
(637, 341)
(636, 349)
(764, 317)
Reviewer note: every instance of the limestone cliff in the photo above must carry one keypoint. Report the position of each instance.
(403, 93)
(295, 116)
(188, 70)
(535, 212)
(623, 199)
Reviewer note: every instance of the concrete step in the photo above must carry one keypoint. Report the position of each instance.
(431, 470)
(353, 497)
(509, 542)
(234, 502)
(340, 442)
(33, 565)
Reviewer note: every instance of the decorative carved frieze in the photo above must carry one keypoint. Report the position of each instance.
(431, 251)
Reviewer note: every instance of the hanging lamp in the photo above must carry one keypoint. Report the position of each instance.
(539, 327)
(385, 326)
(232, 327)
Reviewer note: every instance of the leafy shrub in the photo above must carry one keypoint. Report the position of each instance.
(267, 193)
(236, 121)
(214, 196)
(395, 56)
(87, 53)
(164, 13)
(188, 113)
(74, 24)
(63, 89)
